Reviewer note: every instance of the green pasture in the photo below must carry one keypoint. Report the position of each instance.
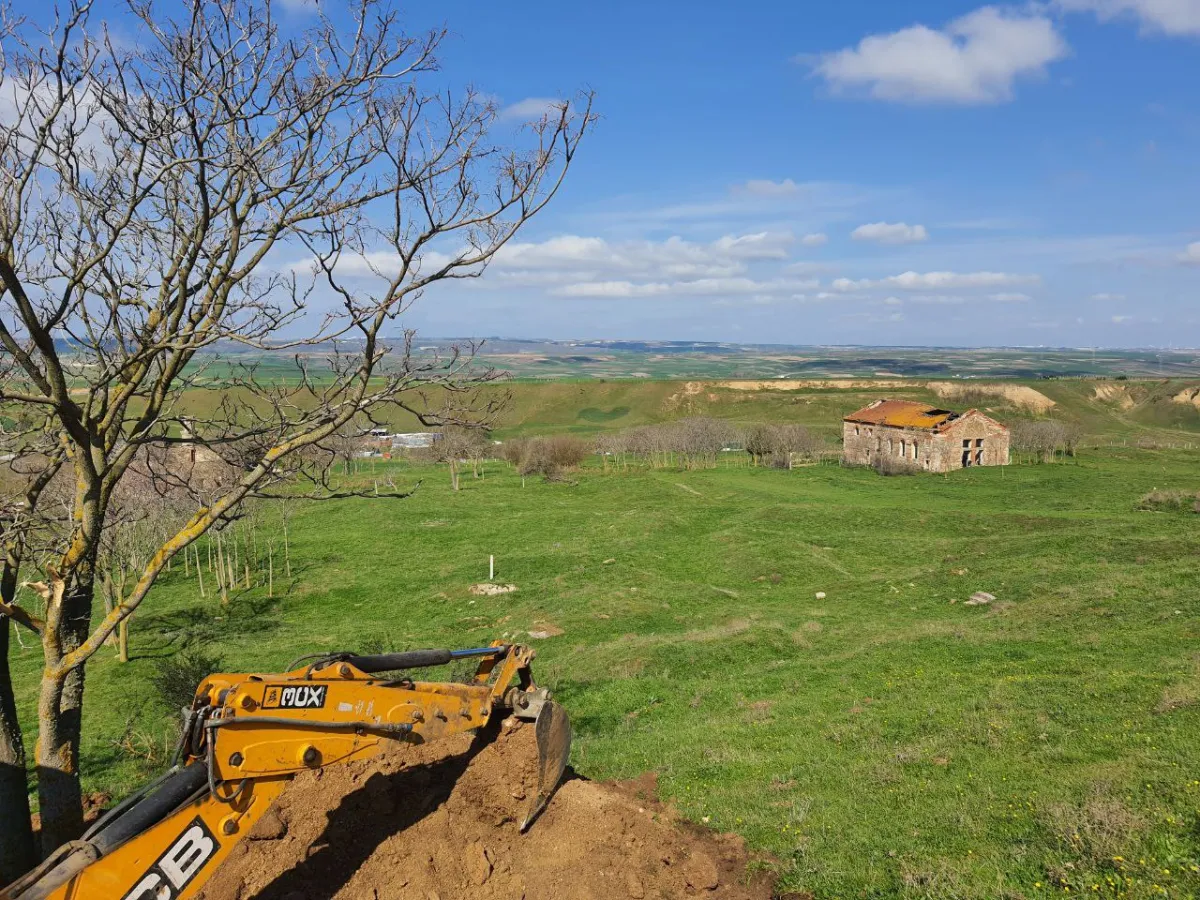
(1137, 410)
(882, 740)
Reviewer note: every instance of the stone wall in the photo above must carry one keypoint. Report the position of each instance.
(863, 445)
(965, 436)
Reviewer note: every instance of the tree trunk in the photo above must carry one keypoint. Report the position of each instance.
(123, 641)
(60, 711)
(17, 851)
(60, 797)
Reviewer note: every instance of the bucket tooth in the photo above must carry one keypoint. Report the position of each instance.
(553, 730)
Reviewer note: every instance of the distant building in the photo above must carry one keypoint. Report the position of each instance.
(417, 441)
(933, 439)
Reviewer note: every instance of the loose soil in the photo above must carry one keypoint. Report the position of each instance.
(439, 821)
(1016, 394)
(1114, 393)
(1190, 395)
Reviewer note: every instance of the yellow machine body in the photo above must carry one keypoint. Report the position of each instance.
(247, 735)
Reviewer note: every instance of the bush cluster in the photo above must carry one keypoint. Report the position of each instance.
(548, 456)
(1166, 500)
(1046, 440)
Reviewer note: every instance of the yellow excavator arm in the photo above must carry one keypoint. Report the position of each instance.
(247, 735)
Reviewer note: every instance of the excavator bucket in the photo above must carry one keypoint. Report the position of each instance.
(328, 709)
(553, 731)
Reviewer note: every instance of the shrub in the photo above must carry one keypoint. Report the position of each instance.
(1170, 500)
(514, 451)
(565, 451)
(176, 678)
(890, 465)
(548, 456)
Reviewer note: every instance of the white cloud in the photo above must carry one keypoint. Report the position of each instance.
(606, 268)
(975, 59)
(1009, 298)
(1191, 256)
(1121, 320)
(890, 233)
(595, 259)
(578, 266)
(374, 264)
(82, 119)
(761, 187)
(701, 287)
(917, 281)
(1171, 17)
(530, 108)
(818, 239)
(1108, 298)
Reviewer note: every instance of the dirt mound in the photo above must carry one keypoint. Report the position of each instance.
(1189, 396)
(1114, 393)
(1016, 394)
(439, 821)
(791, 384)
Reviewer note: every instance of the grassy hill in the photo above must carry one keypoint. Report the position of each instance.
(1106, 410)
(882, 740)
(1124, 410)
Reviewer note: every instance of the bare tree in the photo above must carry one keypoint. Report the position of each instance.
(454, 447)
(761, 442)
(151, 193)
(612, 447)
(1046, 439)
(794, 440)
(479, 448)
(700, 440)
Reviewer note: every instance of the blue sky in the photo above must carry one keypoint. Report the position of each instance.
(865, 171)
(1009, 174)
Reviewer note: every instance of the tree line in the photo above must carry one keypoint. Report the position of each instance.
(1046, 440)
(692, 443)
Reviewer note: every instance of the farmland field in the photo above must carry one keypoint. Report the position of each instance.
(549, 361)
(881, 740)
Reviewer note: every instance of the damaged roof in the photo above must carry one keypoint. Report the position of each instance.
(903, 414)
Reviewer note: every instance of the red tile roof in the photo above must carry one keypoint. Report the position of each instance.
(902, 414)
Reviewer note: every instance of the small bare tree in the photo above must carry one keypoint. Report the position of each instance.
(700, 440)
(761, 442)
(794, 441)
(151, 195)
(453, 448)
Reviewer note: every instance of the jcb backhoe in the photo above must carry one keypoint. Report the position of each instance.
(247, 735)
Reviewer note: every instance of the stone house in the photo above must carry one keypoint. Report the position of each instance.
(936, 440)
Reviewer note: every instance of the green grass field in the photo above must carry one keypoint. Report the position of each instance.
(885, 740)
(1136, 409)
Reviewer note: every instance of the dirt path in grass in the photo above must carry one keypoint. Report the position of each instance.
(439, 821)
